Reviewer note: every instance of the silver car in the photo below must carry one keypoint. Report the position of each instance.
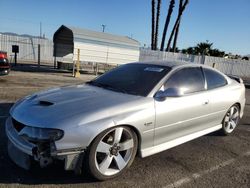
(137, 108)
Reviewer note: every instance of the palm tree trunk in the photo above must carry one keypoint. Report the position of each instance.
(153, 25)
(170, 10)
(175, 25)
(177, 28)
(175, 37)
(157, 23)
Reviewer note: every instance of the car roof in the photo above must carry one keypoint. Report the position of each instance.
(166, 63)
(173, 64)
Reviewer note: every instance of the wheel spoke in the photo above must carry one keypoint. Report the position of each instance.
(233, 124)
(226, 119)
(231, 111)
(227, 126)
(120, 161)
(235, 115)
(118, 134)
(105, 164)
(103, 147)
(126, 145)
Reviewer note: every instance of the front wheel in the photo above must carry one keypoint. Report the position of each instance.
(231, 120)
(112, 152)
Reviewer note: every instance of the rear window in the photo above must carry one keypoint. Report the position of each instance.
(214, 79)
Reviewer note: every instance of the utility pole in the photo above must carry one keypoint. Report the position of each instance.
(39, 47)
(40, 29)
(103, 28)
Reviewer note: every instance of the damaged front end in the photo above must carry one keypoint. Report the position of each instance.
(26, 143)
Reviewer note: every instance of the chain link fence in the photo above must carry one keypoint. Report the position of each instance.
(28, 47)
(28, 51)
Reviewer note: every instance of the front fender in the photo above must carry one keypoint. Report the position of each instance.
(82, 135)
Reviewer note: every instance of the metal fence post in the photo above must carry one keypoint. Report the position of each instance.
(77, 74)
(38, 55)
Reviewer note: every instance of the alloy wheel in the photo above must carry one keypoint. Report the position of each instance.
(114, 151)
(231, 119)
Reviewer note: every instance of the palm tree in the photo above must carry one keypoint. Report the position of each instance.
(177, 28)
(157, 24)
(189, 50)
(176, 23)
(203, 48)
(170, 10)
(216, 52)
(153, 25)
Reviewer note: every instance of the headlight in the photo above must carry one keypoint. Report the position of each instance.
(41, 134)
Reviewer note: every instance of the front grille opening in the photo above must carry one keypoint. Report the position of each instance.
(17, 125)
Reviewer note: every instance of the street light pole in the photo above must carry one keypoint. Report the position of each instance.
(103, 28)
(40, 29)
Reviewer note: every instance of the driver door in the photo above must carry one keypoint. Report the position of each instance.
(183, 115)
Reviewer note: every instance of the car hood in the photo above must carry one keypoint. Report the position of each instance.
(56, 106)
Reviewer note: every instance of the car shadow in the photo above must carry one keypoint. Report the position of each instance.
(11, 173)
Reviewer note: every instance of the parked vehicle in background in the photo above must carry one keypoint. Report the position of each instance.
(4, 63)
(137, 108)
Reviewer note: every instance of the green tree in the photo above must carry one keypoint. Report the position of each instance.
(216, 53)
(203, 48)
(189, 50)
(175, 50)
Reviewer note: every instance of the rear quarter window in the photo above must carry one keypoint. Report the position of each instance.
(214, 79)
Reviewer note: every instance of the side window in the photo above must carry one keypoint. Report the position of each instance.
(189, 80)
(214, 79)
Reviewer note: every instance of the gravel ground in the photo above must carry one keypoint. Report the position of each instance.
(210, 161)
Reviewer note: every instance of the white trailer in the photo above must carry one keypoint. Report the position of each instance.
(95, 47)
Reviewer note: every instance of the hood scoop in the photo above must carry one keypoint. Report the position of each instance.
(45, 103)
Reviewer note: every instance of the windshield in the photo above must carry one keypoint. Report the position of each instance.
(133, 78)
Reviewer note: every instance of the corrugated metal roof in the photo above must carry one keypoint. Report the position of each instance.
(79, 33)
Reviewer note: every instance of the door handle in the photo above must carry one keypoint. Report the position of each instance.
(206, 102)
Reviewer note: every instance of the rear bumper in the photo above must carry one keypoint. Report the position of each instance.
(22, 152)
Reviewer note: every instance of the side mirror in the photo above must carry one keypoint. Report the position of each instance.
(170, 92)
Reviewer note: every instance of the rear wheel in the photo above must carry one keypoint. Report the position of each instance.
(231, 120)
(112, 152)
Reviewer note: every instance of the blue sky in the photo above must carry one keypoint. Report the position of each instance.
(226, 23)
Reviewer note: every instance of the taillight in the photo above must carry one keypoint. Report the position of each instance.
(3, 55)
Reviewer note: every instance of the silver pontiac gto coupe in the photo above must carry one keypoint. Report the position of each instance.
(137, 108)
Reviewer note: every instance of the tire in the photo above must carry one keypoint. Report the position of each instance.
(111, 152)
(231, 120)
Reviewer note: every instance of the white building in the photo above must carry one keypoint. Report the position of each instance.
(95, 47)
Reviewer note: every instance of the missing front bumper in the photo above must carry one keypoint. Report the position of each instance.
(22, 152)
(18, 157)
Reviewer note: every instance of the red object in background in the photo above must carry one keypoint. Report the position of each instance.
(4, 64)
(3, 55)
